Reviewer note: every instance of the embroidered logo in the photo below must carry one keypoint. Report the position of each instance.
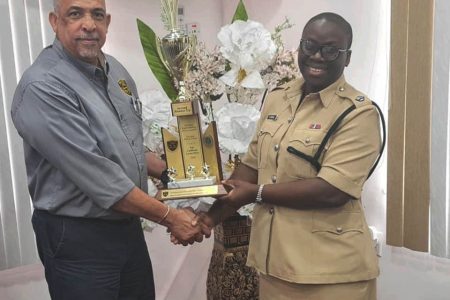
(315, 126)
(208, 140)
(124, 86)
(172, 145)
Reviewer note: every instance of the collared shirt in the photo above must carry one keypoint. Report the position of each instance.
(82, 134)
(317, 245)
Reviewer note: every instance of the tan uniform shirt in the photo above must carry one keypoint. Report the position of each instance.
(321, 245)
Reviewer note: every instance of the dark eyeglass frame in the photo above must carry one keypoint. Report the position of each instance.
(320, 49)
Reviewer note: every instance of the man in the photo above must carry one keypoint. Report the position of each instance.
(309, 236)
(78, 112)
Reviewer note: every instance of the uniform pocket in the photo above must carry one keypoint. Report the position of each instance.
(265, 137)
(338, 221)
(306, 142)
(339, 241)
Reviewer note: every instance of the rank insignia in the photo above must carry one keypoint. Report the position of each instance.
(360, 98)
(315, 126)
(272, 117)
(124, 86)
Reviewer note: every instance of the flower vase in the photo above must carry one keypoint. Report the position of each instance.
(228, 276)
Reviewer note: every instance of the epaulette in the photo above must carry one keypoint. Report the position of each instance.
(358, 99)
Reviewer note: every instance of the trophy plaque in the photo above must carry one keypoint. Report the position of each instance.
(192, 156)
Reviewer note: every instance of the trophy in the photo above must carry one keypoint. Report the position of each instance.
(192, 156)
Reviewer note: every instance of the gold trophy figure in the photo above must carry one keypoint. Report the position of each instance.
(190, 150)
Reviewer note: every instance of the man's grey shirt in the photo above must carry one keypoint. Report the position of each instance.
(81, 132)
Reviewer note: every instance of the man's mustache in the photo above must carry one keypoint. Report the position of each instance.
(88, 37)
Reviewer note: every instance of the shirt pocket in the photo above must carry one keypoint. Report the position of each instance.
(306, 142)
(337, 223)
(338, 239)
(265, 141)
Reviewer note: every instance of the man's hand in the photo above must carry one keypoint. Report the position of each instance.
(181, 224)
(201, 220)
(240, 192)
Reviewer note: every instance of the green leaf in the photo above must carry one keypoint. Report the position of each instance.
(148, 41)
(241, 12)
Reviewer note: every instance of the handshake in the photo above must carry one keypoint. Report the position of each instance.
(187, 227)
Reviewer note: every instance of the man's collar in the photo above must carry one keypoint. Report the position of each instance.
(89, 69)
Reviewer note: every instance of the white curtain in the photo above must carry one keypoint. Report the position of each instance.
(440, 179)
(24, 32)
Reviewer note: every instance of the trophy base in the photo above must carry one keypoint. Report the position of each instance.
(197, 181)
(191, 192)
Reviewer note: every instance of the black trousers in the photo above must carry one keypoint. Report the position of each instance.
(93, 259)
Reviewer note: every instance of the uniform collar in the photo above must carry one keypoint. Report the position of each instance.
(327, 94)
(293, 90)
(88, 69)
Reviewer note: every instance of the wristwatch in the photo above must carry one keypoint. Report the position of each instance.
(259, 194)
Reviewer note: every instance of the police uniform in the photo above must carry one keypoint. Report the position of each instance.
(323, 248)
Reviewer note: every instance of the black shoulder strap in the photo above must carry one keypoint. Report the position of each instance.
(383, 143)
(314, 160)
(331, 131)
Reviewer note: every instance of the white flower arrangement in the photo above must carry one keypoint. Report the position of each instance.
(236, 124)
(156, 113)
(249, 49)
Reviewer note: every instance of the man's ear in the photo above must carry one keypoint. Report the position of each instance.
(53, 19)
(108, 21)
(349, 55)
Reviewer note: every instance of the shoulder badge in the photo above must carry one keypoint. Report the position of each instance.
(360, 98)
(124, 86)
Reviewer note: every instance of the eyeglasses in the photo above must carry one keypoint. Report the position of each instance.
(328, 53)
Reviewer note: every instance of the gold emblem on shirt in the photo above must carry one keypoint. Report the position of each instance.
(124, 86)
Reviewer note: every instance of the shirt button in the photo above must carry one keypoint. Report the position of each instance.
(341, 89)
(289, 120)
(132, 142)
(339, 229)
(276, 148)
(307, 140)
(271, 210)
(274, 178)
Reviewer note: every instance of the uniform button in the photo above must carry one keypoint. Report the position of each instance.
(260, 132)
(271, 211)
(274, 178)
(276, 148)
(341, 89)
(289, 120)
(339, 229)
(307, 140)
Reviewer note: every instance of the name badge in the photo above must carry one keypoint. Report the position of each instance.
(272, 117)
